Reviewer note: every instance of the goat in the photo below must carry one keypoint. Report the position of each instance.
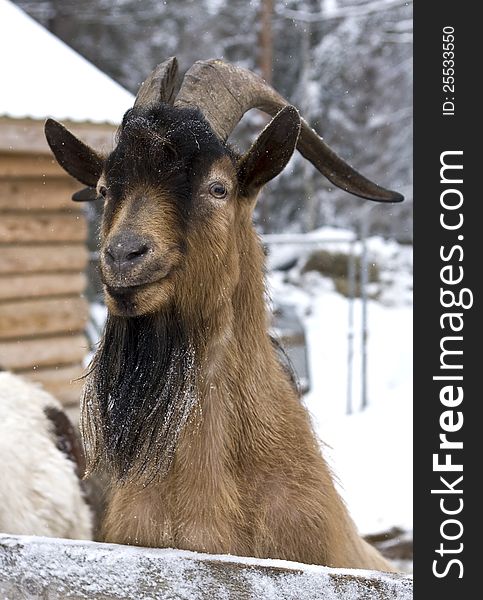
(186, 405)
(41, 465)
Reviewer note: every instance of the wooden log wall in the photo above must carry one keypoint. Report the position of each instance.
(43, 256)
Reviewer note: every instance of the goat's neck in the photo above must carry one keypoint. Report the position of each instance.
(238, 372)
(232, 334)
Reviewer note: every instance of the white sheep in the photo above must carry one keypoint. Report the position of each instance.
(40, 491)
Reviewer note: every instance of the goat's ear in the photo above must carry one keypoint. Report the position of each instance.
(75, 157)
(271, 151)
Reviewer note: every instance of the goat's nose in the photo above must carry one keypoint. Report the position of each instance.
(126, 251)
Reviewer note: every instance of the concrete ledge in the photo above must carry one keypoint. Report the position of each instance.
(48, 568)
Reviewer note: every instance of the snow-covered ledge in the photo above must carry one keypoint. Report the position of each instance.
(47, 568)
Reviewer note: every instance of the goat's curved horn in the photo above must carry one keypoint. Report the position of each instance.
(160, 85)
(224, 92)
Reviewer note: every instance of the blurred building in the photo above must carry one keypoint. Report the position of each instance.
(43, 252)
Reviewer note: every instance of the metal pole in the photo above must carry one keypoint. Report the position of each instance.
(364, 278)
(351, 280)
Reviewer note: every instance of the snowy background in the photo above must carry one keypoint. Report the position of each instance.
(370, 450)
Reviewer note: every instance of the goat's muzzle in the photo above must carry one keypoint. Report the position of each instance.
(132, 266)
(125, 254)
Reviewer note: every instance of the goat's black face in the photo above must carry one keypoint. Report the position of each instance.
(175, 200)
(168, 179)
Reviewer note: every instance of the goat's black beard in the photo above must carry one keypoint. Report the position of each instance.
(139, 393)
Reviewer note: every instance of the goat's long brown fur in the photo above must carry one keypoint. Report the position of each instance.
(248, 477)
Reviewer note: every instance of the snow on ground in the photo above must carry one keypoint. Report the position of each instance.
(370, 451)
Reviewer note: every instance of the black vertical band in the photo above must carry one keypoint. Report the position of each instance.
(447, 299)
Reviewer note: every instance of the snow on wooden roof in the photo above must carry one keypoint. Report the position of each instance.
(43, 77)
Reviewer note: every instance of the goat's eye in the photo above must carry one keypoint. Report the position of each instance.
(218, 190)
(102, 191)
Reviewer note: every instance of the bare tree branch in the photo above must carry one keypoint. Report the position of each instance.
(360, 10)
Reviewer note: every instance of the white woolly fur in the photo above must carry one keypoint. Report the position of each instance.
(39, 489)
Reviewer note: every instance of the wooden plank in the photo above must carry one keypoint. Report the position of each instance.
(46, 193)
(40, 317)
(41, 286)
(41, 259)
(27, 135)
(56, 569)
(61, 382)
(19, 355)
(42, 227)
(29, 165)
